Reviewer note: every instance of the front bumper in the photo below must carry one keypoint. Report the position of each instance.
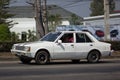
(21, 53)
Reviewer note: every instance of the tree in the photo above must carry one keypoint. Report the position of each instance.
(75, 20)
(15, 37)
(4, 33)
(112, 5)
(40, 16)
(53, 21)
(4, 12)
(31, 35)
(97, 7)
(4, 24)
(39, 19)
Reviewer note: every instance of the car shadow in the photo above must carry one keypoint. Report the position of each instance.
(70, 63)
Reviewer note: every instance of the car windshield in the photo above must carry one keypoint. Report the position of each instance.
(51, 36)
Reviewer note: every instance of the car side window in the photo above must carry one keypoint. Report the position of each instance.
(87, 39)
(82, 38)
(67, 38)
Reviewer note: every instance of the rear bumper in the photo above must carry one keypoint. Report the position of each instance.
(110, 54)
(107, 53)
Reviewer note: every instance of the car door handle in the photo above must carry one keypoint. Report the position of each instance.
(72, 45)
(91, 44)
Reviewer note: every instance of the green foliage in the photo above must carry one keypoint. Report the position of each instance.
(4, 12)
(4, 33)
(25, 36)
(53, 21)
(14, 37)
(75, 20)
(97, 7)
(4, 24)
(31, 35)
(112, 5)
(5, 46)
(115, 45)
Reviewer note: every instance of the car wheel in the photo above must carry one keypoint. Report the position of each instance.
(93, 57)
(75, 61)
(42, 57)
(25, 60)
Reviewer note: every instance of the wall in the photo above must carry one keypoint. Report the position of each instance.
(96, 31)
(22, 25)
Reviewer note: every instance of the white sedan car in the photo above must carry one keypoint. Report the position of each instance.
(64, 45)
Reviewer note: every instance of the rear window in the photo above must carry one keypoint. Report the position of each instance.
(82, 38)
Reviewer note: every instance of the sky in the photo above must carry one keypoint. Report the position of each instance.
(79, 7)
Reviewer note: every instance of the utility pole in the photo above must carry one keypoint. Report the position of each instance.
(45, 16)
(40, 31)
(106, 20)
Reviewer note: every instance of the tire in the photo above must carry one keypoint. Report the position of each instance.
(42, 57)
(93, 57)
(75, 61)
(25, 60)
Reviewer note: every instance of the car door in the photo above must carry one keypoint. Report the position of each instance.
(65, 49)
(83, 45)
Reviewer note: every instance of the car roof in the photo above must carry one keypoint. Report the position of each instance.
(90, 35)
(73, 31)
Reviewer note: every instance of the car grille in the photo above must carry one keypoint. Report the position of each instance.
(19, 47)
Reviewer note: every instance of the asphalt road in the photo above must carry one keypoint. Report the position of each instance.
(104, 70)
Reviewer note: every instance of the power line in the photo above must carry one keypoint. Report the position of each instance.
(74, 2)
(74, 5)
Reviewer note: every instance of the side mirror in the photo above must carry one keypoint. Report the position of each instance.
(59, 41)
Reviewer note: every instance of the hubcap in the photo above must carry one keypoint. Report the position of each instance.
(94, 57)
(42, 58)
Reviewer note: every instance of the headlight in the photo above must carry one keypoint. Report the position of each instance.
(27, 49)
